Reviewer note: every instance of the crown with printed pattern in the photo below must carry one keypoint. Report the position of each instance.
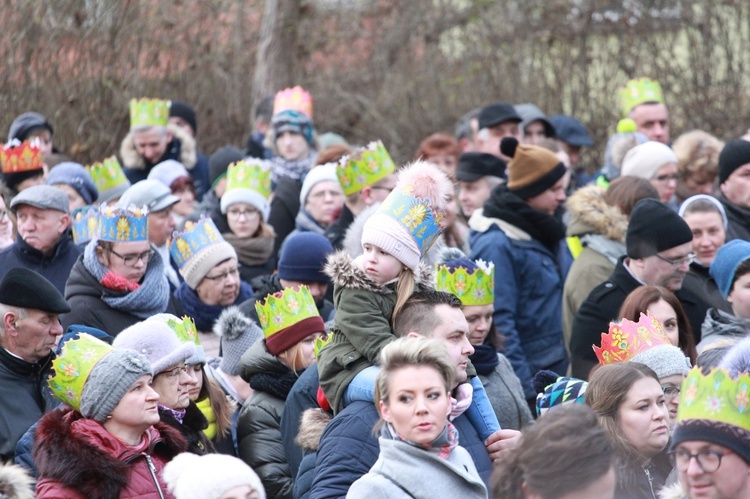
(251, 174)
(627, 339)
(107, 173)
(123, 224)
(85, 224)
(364, 167)
(149, 112)
(639, 91)
(195, 237)
(475, 288)
(295, 99)
(18, 157)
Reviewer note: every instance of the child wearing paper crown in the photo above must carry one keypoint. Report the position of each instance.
(370, 290)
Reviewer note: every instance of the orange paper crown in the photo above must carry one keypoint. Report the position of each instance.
(296, 99)
(16, 157)
(627, 339)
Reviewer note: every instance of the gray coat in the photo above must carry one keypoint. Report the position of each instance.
(506, 396)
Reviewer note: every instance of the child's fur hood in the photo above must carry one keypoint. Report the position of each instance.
(345, 272)
(591, 214)
(188, 153)
(311, 427)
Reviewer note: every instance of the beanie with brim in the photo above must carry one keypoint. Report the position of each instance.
(706, 430)
(728, 259)
(735, 154)
(654, 227)
(156, 341)
(664, 360)
(532, 169)
(644, 160)
(286, 338)
(248, 196)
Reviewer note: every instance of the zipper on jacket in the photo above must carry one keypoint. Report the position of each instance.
(152, 469)
(650, 480)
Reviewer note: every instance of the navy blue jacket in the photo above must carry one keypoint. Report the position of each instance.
(55, 267)
(301, 397)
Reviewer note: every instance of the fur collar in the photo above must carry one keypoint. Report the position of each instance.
(188, 153)
(73, 460)
(590, 214)
(311, 427)
(345, 272)
(672, 492)
(15, 482)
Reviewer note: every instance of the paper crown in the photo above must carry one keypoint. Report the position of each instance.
(254, 175)
(85, 224)
(17, 157)
(638, 91)
(364, 167)
(716, 397)
(149, 112)
(284, 309)
(477, 288)
(123, 224)
(320, 343)
(296, 99)
(72, 368)
(195, 237)
(107, 174)
(185, 329)
(627, 339)
(417, 216)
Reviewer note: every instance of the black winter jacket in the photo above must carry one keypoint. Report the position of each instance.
(55, 267)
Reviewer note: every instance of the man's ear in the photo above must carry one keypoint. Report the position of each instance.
(64, 222)
(414, 335)
(169, 136)
(9, 322)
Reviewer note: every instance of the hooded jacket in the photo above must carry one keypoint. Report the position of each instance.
(720, 325)
(78, 458)
(181, 148)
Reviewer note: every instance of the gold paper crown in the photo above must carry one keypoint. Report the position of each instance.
(296, 99)
(149, 112)
(716, 397)
(17, 157)
(364, 167)
(123, 224)
(72, 368)
(285, 308)
(195, 237)
(476, 288)
(254, 175)
(639, 91)
(107, 174)
(627, 339)
(85, 224)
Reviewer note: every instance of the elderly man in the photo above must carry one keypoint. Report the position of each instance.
(659, 252)
(496, 122)
(734, 183)
(478, 173)
(29, 330)
(642, 100)
(43, 244)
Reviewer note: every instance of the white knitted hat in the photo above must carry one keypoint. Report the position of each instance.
(190, 476)
(645, 159)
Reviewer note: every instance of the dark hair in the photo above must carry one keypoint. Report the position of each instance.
(415, 315)
(438, 143)
(332, 154)
(183, 183)
(742, 269)
(559, 455)
(264, 111)
(625, 192)
(638, 301)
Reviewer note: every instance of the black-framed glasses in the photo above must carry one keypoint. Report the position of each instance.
(220, 277)
(670, 392)
(173, 374)
(708, 460)
(130, 260)
(679, 261)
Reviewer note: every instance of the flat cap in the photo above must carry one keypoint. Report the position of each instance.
(44, 197)
(26, 289)
(474, 165)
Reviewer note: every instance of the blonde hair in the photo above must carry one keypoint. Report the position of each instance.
(404, 290)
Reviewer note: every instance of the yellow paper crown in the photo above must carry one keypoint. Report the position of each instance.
(296, 99)
(716, 397)
(476, 288)
(627, 339)
(285, 308)
(364, 167)
(72, 368)
(254, 175)
(149, 112)
(17, 157)
(107, 173)
(185, 329)
(639, 91)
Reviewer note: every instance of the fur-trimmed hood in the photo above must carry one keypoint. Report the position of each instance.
(15, 483)
(672, 492)
(311, 427)
(346, 272)
(188, 153)
(590, 214)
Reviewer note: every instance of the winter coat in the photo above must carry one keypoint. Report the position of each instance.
(673, 491)
(311, 428)
(362, 326)
(738, 220)
(269, 284)
(603, 306)
(55, 266)
(258, 430)
(15, 483)
(699, 281)
(719, 325)
(78, 458)
(647, 481)
(604, 225)
(211, 207)
(181, 148)
(25, 384)
(405, 471)
(200, 175)
(191, 429)
(528, 295)
(302, 396)
(506, 396)
(348, 449)
(284, 207)
(84, 295)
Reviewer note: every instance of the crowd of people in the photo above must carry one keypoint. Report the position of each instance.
(305, 318)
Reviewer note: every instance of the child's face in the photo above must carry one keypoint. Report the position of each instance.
(739, 297)
(379, 265)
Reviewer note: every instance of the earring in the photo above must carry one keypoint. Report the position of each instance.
(109, 417)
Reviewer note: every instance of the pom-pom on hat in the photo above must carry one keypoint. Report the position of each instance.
(238, 333)
(156, 341)
(724, 267)
(109, 178)
(190, 476)
(248, 181)
(644, 160)
(77, 177)
(412, 217)
(287, 317)
(532, 169)
(655, 227)
(735, 154)
(553, 390)
(198, 249)
(626, 339)
(639, 91)
(186, 332)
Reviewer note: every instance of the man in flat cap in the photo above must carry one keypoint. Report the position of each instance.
(44, 244)
(29, 331)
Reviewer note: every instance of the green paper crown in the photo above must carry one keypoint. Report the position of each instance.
(254, 176)
(284, 309)
(149, 112)
(185, 329)
(638, 91)
(107, 174)
(364, 167)
(477, 288)
(715, 397)
(320, 343)
(72, 368)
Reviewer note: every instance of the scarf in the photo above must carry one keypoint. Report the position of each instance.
(179, 416)
(205, 315)
(278, 385)
(143, 300)
(294, 169)
(251, 251)
(484, 358)
(507, 206)
(442, 445)
(208, 411)
(304, 222)
(612, 250)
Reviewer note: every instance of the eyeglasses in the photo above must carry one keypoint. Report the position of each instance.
(241, 213)
(670, 392)
(676, 263)
(175, 373)
(221, 277)
(708, 460)
(666, 178)
(129, 260)
(3, 214)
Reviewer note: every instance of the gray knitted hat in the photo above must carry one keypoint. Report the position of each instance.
(238, 333)
(664, 360)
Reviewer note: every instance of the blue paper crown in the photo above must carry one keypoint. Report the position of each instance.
(123, 224)
(85, 224)
(416, 215)
(196, 236)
